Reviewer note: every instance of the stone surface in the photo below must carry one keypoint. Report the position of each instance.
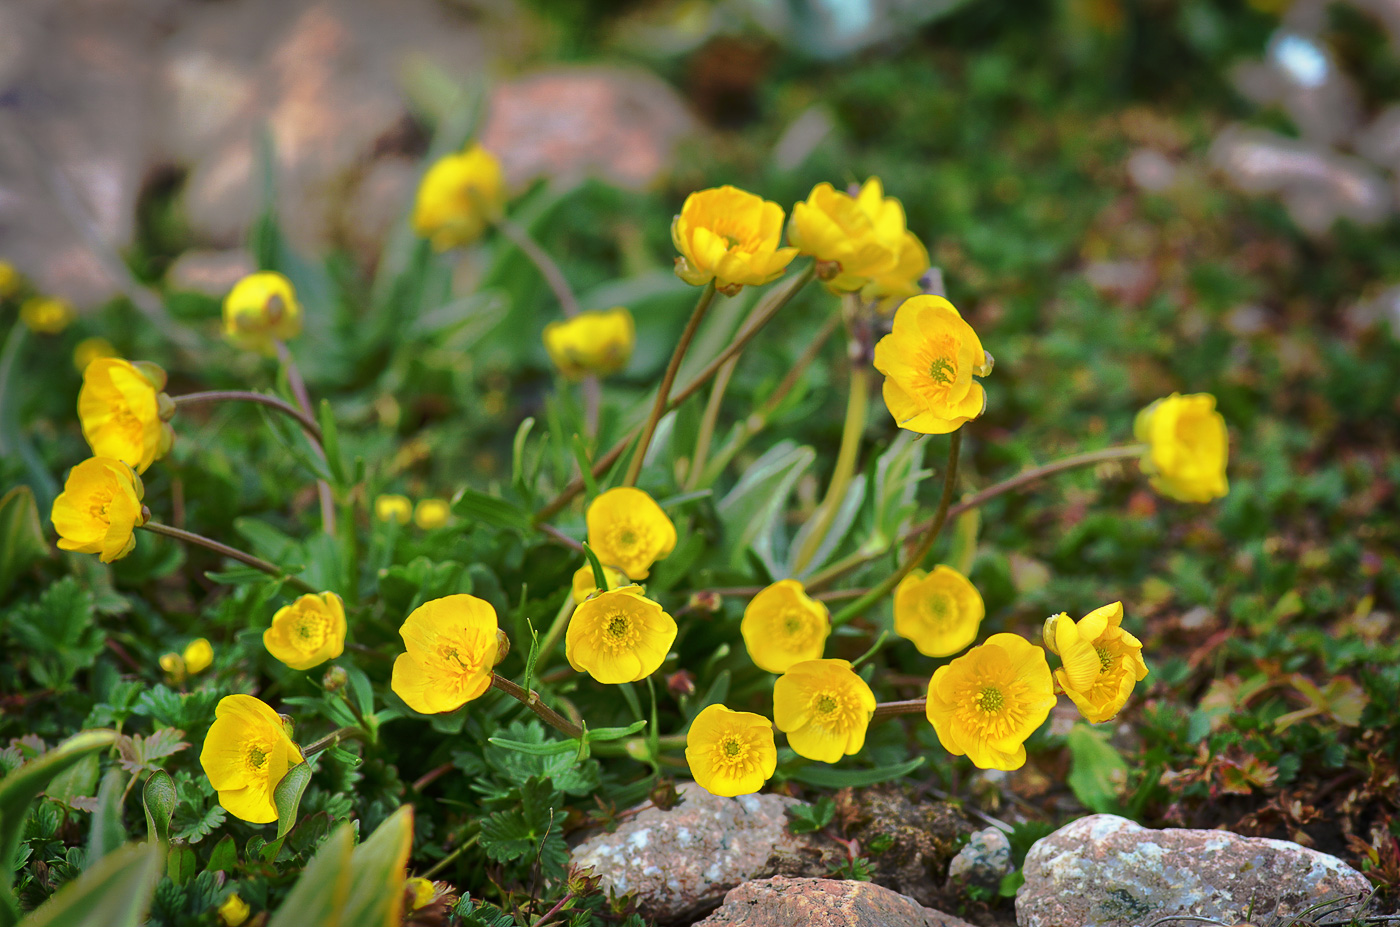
(212, 273)
(983, 861)
(785, 902)
(681, 862)
(1106, 871)
(923, 839)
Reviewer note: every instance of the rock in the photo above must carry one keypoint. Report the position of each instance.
(784, 902)
(681, 862)
(1106, 871)
(923, 839)
(982, 862)
(212, 273)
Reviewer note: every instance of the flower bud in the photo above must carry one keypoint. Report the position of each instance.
(664, 795)
(335, 679)
(1048, 633)
(705, 601)
(502, 647)
(681, 683)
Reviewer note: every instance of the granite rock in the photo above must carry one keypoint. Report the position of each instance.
(983, 861)
(785, 902)
(1106, 871)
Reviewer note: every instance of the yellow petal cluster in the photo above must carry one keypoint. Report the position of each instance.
(1188, 447)
(854, 239)
(197, 657)
(460, 195)
(393, 507)
(628, 530)
(939, 611)
(988, 701)
(598, 342)
(246, 753)
(929, 360)
(100, 509)
(308, 632)
(233, 911)
(730, 752)
(261, 308)
(905, 280)
(824, 709)
(584, 586)
(431, 513)
(619, 636)
(451, 646)
(89, 350)
(46, 315)
(123, 412)
(731, 237)
(1100, 662)
(783, 625)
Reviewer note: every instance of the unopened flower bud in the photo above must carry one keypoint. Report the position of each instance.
(502, 646)
(335, 679)
(681, 683)
(828, 270)
(165, 407)
(664, 795)
(1048, 634)
(705, 601)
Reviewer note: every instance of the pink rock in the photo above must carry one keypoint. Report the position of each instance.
(785, 902)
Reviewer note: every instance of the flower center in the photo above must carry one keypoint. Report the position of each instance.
(310, 629)
(826, 704)
(99, 502)
(796, 626)
(733, 756)
(732, 748)
(1105, 658)
(936, 610)
(990, 699)
(628, 538)
(618, 626)
(941, 370)
(617, 632)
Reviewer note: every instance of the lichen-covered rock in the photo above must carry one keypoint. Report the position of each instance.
(784, 902)
(983, 861)
(681, 862)
(922, 838)
(1106, 871)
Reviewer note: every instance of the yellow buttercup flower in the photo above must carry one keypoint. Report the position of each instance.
(124, 413)
(100, 509)
(460, 195)
(46, 315)
(783, 625)
(824, 708)
(929, 360)
(854, 239)
(730, 752)
(1100, 662)
(1188, 447)
(451, 644)
(904, 281)
(89, 350)
(939, 611)
(261, 308)
(619, 636)
(198, 656)
(731, 237)
(628, 530)
(431, 513)
(9, 280)
(393, 507)
(597, 343)
(989, 700)
(234, 911)
(246, 753)
(307, 632)
(420, 892)
(584, 586)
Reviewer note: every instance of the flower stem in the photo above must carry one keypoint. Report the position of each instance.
(707, 425)
(531, 700)
(333, 738)
(663, 393)
(884, 710)
(568, 896)
(307, 423)
(233, 553)
(448, 859)
(950, 479)
(857, 407)
(545, 264)
(298, 385)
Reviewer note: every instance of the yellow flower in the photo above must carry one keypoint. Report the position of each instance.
(929, 360)
(124, 413)
(392, 507)
(234, 910)
(246, 753)
(89, 350)
(431, 513)
(619, 636)
(261, 308)
(989, 700)
(174, 666)
(198, 656)
(460, 195)
(891, 288)
(585, 587)
(1188, 447)
(1100, 662)
(939, 611)
(451, 644)
(46, 315)
(420, 892)
(628, 530)
(783, 625)
(100, 509)
(854, 239)
(731, 237)
(730, 752)
(9, 280)
(591, 342)
(307, 632)
(824, 708)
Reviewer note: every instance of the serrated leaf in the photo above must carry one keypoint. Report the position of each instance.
(159, 799)
(1096, 772)
(113, 893)
(139, 754)
(827, 777)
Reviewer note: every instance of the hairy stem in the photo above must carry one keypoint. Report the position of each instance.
(233, 553)
(333, 738)
(531, 700)
(545, 264)
(298, 385)
(307, 423)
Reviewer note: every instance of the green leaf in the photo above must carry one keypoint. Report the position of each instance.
(828, 778)
(596, 734)
(113, 893)
(964, 544)
(585, 467)
(107, 833)
(224, 858)
(1096, 771)
(807, 819)
(21, 537)
(78, 781)
(320, 894)
(532, 828)
(287, 797)
(360, 690)
(159, 798)
(750, 511)
(479, 506)
(180, 864)
(548, 748)
(377, 873)
(330, 443)
(600, 578)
